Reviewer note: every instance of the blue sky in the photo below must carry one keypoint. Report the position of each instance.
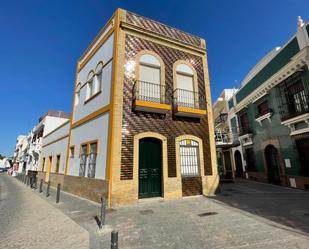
(41, 41)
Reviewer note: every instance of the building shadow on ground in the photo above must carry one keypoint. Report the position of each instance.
(284, 206)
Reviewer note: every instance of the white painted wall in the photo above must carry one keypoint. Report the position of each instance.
(56, 148)
(105, 54)
(98, 39)
(92, 130)
(64, 130)
(51, 123)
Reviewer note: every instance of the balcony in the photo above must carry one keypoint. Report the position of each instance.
(222, 118)
(263, 114)
(226, 139)
(296, 107)
(245, 136)
(150, 97)
(187, 104)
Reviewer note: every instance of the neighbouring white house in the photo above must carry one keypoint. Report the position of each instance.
(4, 163)
(229, 154)
(54, 151)
(28, 148)
(18, 153)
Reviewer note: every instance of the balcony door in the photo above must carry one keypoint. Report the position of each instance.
(150, 77)
(185, 88)
(244, 123)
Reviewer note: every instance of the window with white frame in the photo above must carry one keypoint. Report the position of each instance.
(83, 160)
(185, 87)
(150, 78)
(97, 85)
(189, 157)
(92, 159)
(72, 151)
(90, 85)
(77, 94)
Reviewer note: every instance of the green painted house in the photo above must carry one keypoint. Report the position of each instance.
(272, 114)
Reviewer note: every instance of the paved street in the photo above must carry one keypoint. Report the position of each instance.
(248, 215)
(286, 206)
(245, 215)
(27, 221)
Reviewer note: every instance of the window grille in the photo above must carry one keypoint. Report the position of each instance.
(189, 157)
(293, 97)
(92, 160)
(83, 160)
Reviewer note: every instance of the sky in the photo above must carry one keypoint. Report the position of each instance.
(40, 42)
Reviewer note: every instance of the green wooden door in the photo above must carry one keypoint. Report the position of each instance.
(150, 160)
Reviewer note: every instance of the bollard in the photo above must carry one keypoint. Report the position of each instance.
(58, 193)
(114, 240)
(28, 180)
(103, 211)
(47, 190)
(41, 186)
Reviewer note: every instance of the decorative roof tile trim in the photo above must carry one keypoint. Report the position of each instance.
(163, 29)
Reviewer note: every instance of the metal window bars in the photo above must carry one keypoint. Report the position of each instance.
(186, 98)
(82, 165)
(157, 93)
(189, 158)
(148, 91)
(92, 164)
(296, 105)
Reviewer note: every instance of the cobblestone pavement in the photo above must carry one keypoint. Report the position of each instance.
(27, 221)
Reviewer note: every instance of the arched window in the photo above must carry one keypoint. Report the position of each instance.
(185, 92)
(189, 157)
(149, 78)
(90, 88)
(77, 94)
(97, 84)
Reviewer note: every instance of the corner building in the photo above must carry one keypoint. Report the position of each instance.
(142, 121)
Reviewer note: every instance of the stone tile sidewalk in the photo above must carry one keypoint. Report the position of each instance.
(27, 221)
(199, 222)
(240, 217)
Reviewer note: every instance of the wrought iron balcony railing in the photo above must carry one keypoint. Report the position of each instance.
(222, 118)
(190, 99)
(149, 92)
(223, 137)
(298, 106)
